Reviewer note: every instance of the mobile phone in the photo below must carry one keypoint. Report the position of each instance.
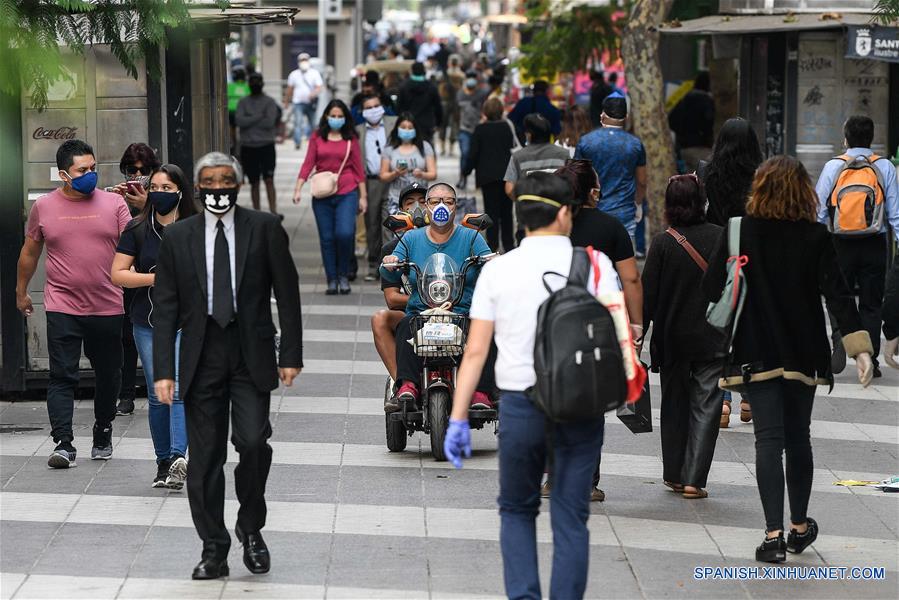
(402, 164)
(134, 187)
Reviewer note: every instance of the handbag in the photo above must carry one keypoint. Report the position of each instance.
(324, 183)
(724, 314)
(638, 416)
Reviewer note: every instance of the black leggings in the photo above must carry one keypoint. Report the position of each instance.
(498, 207)
(782, 413)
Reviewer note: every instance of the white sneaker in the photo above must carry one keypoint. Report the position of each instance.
(177, 474)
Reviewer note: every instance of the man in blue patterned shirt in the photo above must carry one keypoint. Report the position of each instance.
(620, 162)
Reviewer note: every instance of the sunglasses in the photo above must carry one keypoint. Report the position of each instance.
(691, 176)
(132, 170)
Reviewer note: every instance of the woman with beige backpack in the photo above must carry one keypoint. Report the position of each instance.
(333, 167)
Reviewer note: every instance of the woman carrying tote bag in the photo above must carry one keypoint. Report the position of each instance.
(334, 162)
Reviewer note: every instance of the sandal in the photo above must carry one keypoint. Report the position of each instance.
(675, 487)
(696, 494)
(725, 415)
(745, 412)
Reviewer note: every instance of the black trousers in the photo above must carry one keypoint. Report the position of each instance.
(499, 208)
(102, 341)
(129, 352)
(409, 365)
(863, 262)
(222, 382)
(782, 416)
(691, 410)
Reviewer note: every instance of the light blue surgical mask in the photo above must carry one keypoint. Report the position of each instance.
(406, 135)
(336, 123)
(417, 77)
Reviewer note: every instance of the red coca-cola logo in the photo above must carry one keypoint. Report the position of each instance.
(60, 133)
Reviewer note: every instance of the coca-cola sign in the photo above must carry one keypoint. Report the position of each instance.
(60, 133)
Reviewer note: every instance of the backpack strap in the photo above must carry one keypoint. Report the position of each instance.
(579, 274)
(694, 254)
(733, 236)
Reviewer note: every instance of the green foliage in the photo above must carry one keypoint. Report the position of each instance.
(887, 11)
(33, 33)
(564, 37)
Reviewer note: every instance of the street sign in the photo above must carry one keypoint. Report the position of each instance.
(873, 42)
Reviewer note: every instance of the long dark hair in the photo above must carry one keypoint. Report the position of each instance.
(186, 206)
(347, 132)
(395, 140)
(138, 152)
(735, 157)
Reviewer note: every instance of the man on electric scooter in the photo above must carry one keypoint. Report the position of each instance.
(385, 321)
(440, 236)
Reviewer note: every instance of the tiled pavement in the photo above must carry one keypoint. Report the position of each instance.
(348, 519)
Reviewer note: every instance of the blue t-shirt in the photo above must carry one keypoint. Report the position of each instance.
(615, 155)
(421, 248)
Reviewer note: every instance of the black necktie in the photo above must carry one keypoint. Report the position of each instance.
(222, 296)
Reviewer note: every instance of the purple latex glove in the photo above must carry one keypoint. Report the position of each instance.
(457, 442)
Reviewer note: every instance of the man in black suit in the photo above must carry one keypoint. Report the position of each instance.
(214, 278)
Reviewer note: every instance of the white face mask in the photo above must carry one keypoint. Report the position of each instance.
(373, 115)
(441, 215)
(304, 65)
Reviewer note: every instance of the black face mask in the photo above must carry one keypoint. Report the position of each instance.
(218, 201)
(164, 202)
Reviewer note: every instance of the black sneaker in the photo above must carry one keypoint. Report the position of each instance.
(162, 472)
(102, 449)
(876, 373)
(797, 542)
(63, 456)
(125, 407)
(772, 550)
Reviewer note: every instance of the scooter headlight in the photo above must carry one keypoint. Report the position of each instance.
(439, 291)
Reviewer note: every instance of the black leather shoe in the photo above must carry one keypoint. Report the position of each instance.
(797, 542)
(210, 568)
(255, 552)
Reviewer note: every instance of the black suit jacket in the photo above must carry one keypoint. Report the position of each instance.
(262, 263)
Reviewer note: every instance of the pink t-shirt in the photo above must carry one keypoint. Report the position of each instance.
(325, 155)
(81, 238)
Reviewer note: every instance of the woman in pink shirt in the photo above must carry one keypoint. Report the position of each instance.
(334, 147)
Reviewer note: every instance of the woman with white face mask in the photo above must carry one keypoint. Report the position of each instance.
(407, 159)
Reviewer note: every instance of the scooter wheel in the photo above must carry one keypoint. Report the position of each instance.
(438, 415)
(396, 435)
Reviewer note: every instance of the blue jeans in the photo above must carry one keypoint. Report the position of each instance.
(300, 110)
(335, 217)
(167, 425)
(464, 149)
(626, 214)
(522, 458)
(640, 230)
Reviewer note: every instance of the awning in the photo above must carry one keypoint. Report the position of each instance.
(243, 15)
(736, 24)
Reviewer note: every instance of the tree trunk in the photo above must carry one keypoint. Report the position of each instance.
(640, 50)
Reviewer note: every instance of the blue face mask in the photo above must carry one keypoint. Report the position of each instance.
(406, 135)
(336, 123)
(417, 77)
(85, 184)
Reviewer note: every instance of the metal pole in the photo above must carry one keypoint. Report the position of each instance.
(322, 24)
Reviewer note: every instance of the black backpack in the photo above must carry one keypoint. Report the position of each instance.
(577, 357)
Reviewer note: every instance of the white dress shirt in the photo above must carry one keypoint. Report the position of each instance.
(375, 142)
(510, 291)
(228, 222)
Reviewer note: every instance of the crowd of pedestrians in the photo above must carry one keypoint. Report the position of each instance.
(198, 272)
